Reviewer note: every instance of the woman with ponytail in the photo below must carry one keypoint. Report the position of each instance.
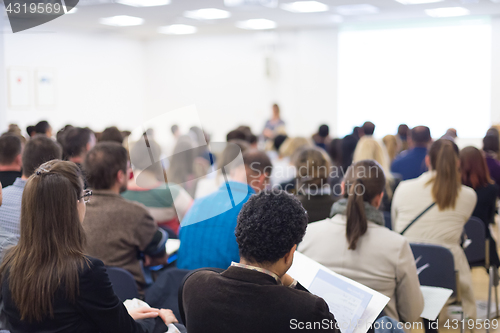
(434, 209)
(355, 243)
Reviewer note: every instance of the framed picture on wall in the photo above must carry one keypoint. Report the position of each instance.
(45, 87)
(19, 88)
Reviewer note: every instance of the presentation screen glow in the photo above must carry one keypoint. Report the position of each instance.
(423, 74)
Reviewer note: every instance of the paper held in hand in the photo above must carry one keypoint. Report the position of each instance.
(354, 305)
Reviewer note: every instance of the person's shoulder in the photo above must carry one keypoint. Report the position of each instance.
(200, 279)
(468, 192)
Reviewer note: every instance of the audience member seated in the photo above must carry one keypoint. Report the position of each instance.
(283, 168)
(355, 243)
(11, 163)
(368, 128)
(451, 134)
(213, 181)
(119, 232)
(434, 209)
(322, 138)
(44, 128)
(275, 125)
(403, 135)
(31, 131)
(112, 134)
(273, 147)
(369, 149)
(393, 146)
(491, 148)
(77, 143)
(256, 294)
(475, 174)
(48, 283)
(347, 148)
(313, 184)
(181, 169)
(167, 204)
(207, 231)
(236, 135)
(410, 164)
(37, 151)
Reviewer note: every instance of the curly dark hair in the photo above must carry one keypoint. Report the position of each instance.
(269, 225)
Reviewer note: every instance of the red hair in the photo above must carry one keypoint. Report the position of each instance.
(475, 171)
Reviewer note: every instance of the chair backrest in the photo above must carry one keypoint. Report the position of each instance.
(435, 266)
(387, 219)
(123, 283)
(476, 251)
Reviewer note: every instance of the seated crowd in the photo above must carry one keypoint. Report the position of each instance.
(73, 205)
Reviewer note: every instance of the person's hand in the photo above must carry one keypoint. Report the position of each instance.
(168, 316)
(144, 313)
(150, 261)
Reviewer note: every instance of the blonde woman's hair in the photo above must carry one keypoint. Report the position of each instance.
(293, 145)
(446, 183)
(392, 145)
(369, 149)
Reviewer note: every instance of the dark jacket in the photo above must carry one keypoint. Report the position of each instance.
(245, 301)
(97, 308)
(318, 207)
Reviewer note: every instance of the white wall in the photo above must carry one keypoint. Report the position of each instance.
(99, 78)
(225, 76)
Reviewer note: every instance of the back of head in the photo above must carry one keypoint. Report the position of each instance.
(112, 134)
(42, 127)
(293, 145)
(335, 151)
(76, 141)
(313, 169)
(236, 135)
(369, 149)
(392, 146)
(452, 133)
(37, 151)
(257, 163)
(491, 144)
(493, 131)
(324, 131)
(269, 225)
(348, 146)
(231, 151)
(278, 141)
(474, 169)
(102, 164)
(421, 136)
(50, 249)
(403, 130)
(368, 128)
(10, 148)
(446, 183)
(174, 129)
(363, 181)
(31, 130)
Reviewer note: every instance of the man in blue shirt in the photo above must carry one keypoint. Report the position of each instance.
(37, 151)
(411, 163)
(207, 231)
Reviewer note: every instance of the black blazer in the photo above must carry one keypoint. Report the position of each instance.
(240, 300)
(318, 207)
(97, 309)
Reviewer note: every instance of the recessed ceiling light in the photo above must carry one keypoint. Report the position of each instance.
(305, 7)
(143, 3)
(207, 14)
(363, 9)
(178, 29)
(417, 2)
(447, 12)
(122, 21)
(256, 24)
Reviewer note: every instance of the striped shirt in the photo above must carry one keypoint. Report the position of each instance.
(10, 211)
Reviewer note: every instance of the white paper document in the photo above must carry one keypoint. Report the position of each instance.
(434, 300)
(354, 305)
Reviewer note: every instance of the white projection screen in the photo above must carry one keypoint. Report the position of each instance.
(434, 73)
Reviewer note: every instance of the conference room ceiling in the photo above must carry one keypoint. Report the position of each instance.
(89, 13)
